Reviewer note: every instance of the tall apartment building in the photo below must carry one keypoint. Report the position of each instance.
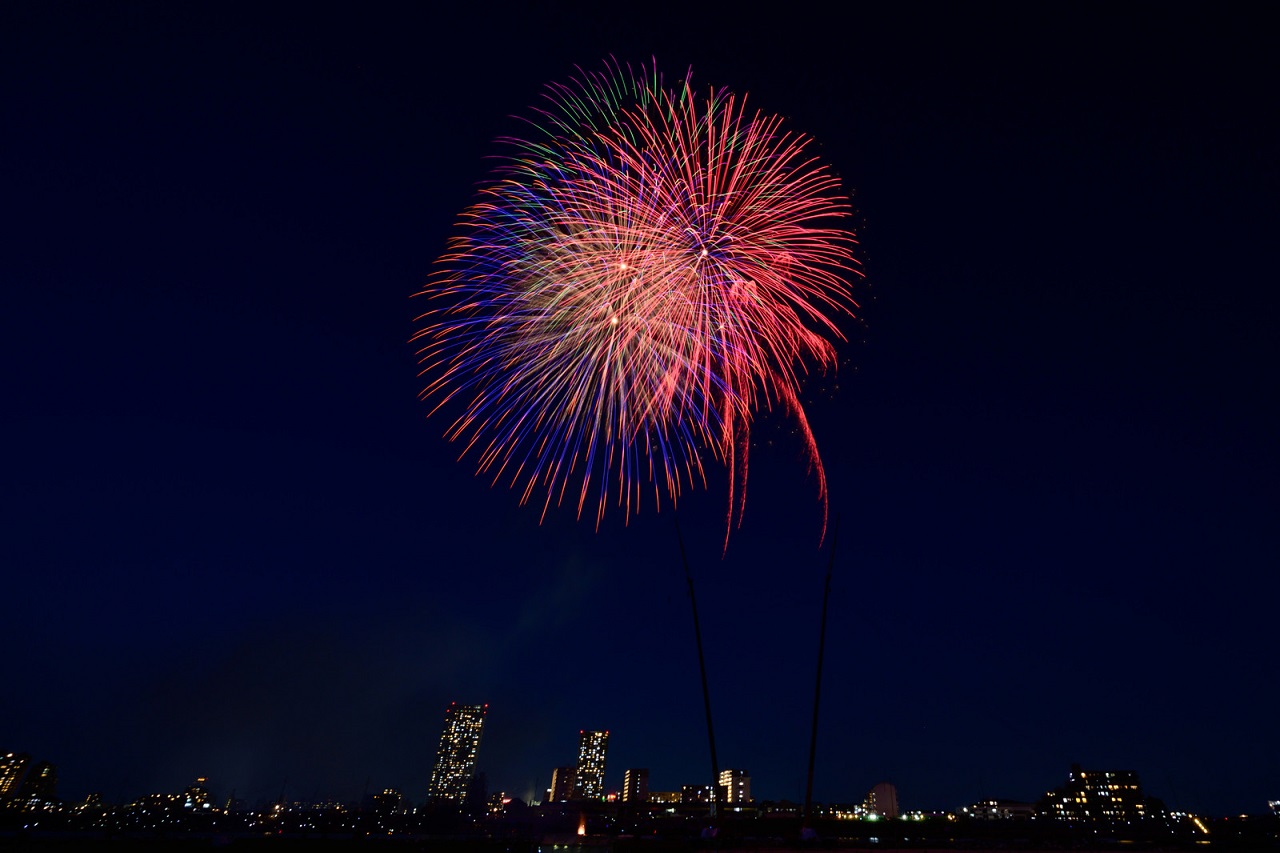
(735, 786)
(456, 755)
(561, 785)
(635, 785)
(13, 771)
(22, 778)
(882, 800)
(588, 781)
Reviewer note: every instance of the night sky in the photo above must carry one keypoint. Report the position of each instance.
(233, 544)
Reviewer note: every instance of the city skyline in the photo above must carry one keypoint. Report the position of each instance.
(237, 544)
(1087, 795)
(1091, 802)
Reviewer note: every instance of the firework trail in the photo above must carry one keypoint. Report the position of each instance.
(633, 282)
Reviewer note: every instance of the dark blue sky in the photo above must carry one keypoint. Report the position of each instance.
(232, 544)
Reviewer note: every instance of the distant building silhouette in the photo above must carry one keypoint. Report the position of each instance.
(735, 787)
(882, 800)
(992, 809)
(456, 756)
(387, 803)
(588, 777)
(498, 802)
(477, 799)
(42, 782)
(1109, 796)
(635, 786)
(697, 794)
(561, 790)
(196, 796)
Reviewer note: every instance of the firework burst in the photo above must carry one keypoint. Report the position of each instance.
(650, 268)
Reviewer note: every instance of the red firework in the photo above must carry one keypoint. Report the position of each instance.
(651, 269)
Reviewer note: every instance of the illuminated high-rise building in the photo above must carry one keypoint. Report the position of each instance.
(635, 786)
(456, 755)
(735, 786)
(21, 778)
(588, 777)
(13, 771)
